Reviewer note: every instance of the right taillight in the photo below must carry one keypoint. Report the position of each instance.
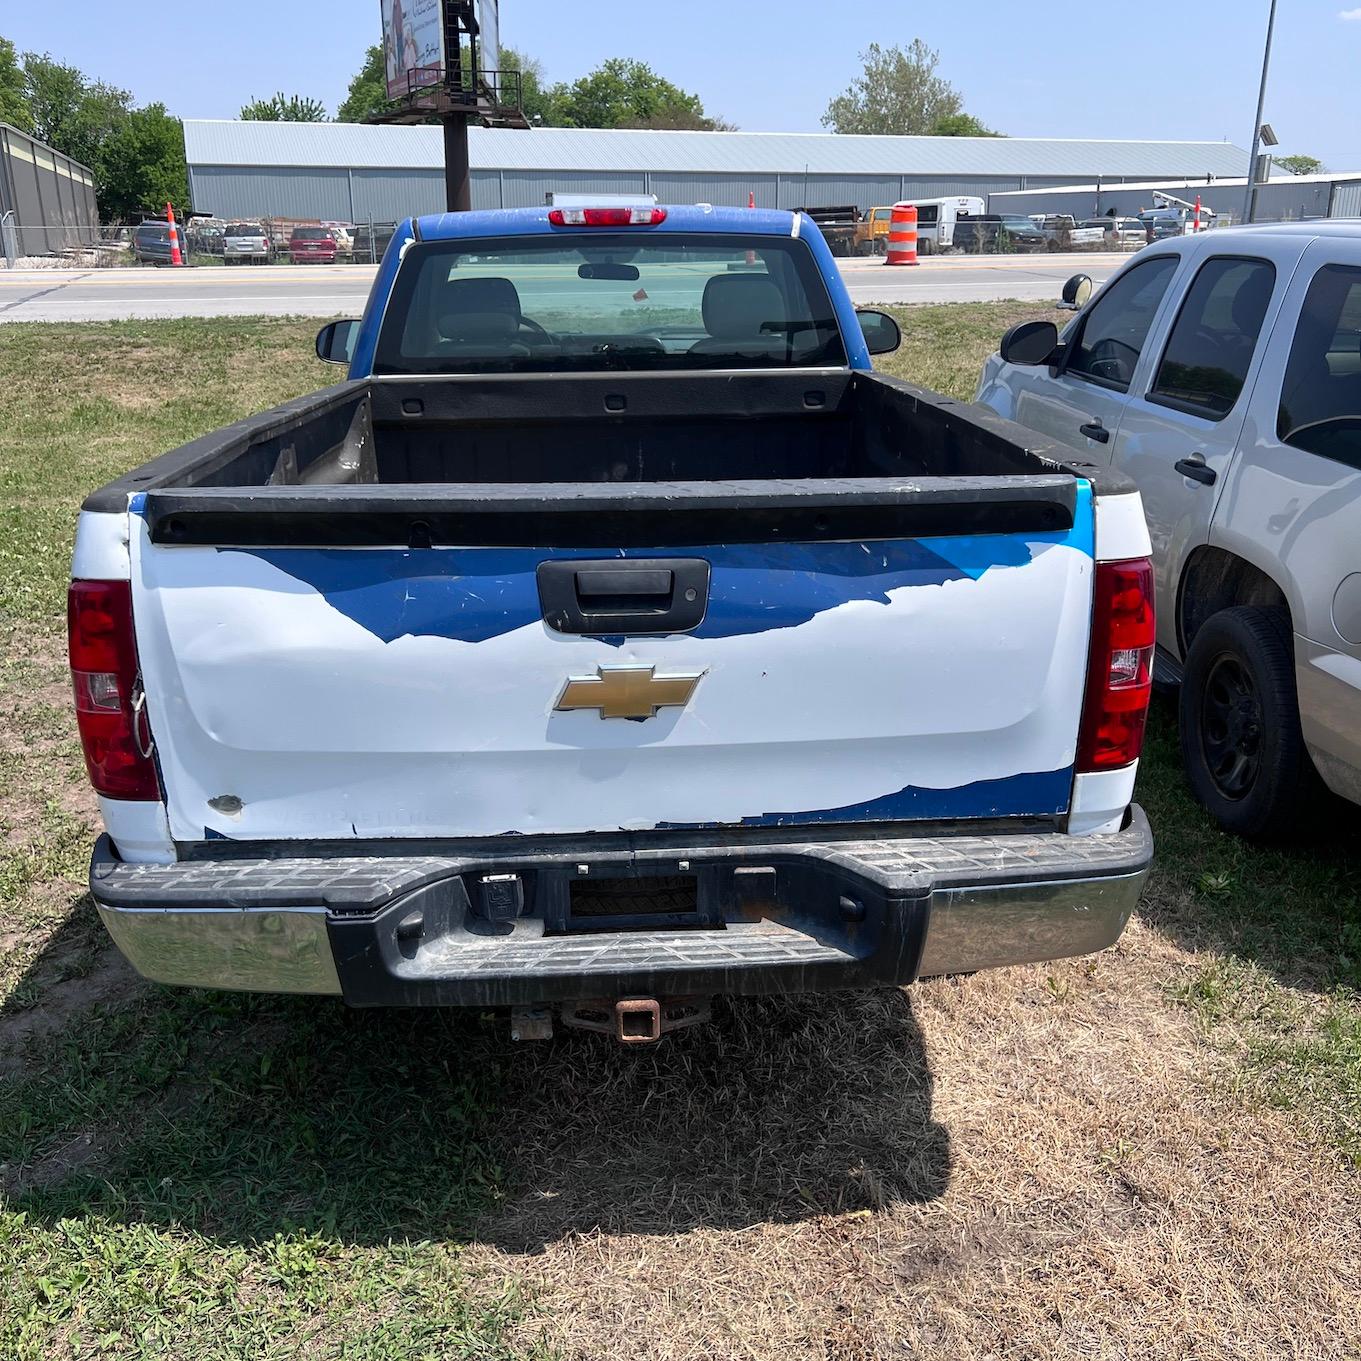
(104, 674)
(1120, 669)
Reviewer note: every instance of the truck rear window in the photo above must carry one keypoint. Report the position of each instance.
(608, 302)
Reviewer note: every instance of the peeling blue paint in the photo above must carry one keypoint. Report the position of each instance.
(474, 594)
(1035, 794)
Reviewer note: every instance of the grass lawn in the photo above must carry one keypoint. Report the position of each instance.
(1152, 1152)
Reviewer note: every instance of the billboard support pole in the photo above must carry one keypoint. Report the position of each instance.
(458, 176)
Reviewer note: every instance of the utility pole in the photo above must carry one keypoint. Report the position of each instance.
(1250, 197)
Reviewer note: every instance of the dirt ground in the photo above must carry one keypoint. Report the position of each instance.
(1116, 1157)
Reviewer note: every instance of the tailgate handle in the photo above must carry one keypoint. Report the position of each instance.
(623, 581)
(638, 595)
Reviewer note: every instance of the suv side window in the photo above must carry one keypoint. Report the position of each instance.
(1214, 337)
(1107, 348)
(1320, 409)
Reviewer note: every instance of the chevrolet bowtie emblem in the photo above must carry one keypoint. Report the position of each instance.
(627, 692)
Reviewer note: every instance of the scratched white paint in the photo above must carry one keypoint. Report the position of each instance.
(1100, 799)
(1121, 529)
(258, 688)
(101, 552)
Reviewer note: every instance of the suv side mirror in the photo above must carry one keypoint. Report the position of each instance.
(1076, 292)
(335, 341)
(882, 334)
(1030, 342)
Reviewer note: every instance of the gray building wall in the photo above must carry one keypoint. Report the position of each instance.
(51, 196)
(342, 195)
(1277, 200)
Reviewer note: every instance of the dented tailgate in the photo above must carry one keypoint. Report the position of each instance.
(315, 692)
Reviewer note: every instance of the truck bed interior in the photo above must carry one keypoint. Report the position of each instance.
(604, 428)
(477, 459)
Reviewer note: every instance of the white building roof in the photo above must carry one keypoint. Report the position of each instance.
(211, 142)
(1198, 182)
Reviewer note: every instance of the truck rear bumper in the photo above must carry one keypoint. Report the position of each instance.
(750, 916)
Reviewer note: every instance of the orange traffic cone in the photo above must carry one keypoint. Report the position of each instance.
(176, 258)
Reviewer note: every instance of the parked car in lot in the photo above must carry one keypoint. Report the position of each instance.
(312, 245)
(1222, 372)
(1160, 223)
(815, 679)
(344, 235)
(1121, 233)
(998, 232)
(370, 241)
(1061, 233)
(151, 243)
(245, 243)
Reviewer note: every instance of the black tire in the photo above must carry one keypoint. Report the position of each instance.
(1240, 723)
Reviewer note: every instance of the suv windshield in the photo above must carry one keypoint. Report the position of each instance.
(312, 234)
(542, 304)
(244, 229)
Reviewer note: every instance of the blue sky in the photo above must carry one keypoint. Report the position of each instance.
(1083, 68)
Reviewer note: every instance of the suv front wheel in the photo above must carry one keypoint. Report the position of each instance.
(1240, 723)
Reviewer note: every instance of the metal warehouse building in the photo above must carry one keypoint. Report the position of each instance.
(47, 200)
(1287, 198)
(351, 172)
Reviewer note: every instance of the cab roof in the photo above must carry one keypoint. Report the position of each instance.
(699, 217)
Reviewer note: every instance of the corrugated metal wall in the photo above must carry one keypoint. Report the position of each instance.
(389, 195)
(378, 192)
(237, 192)
(1277, 200)
(51, 196)
(1346, 200)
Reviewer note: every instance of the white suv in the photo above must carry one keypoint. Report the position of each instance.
(244, 241)
(1222, 372)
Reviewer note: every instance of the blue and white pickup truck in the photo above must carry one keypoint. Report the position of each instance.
(613, 638)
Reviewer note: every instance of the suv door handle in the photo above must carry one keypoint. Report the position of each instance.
(1095, 430)
(1194, 468)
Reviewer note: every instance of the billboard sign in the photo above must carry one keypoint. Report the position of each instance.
(489, 35)
(413, 44)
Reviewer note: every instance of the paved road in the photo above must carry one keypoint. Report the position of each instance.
(340, 290)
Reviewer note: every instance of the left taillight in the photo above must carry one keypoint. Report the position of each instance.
(104, 674)
(1120, 669)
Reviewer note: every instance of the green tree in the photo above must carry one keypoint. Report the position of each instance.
(624, 93)
(14, 108)
(72, 113)
(961, 125)
(898, 91)
(367, 94)
(141, 165)
(1300, 165)
(282, 108)
(534, 95)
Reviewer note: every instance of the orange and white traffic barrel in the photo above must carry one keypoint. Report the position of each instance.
(902, 235)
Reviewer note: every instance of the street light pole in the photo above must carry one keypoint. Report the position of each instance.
(1250, 197)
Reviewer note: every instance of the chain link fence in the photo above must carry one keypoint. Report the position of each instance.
(204, 243)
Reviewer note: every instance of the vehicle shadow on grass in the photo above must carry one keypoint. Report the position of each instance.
(240, 1118)
(1292, 908)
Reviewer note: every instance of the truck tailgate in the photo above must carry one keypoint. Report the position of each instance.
(309, 691)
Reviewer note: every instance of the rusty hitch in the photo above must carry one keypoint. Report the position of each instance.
(637, 1020)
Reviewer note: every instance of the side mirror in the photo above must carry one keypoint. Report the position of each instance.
(335, 341)
(1029, 342)
(1076, 292)
(882, 334)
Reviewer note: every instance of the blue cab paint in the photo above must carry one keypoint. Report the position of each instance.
(512, 222)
